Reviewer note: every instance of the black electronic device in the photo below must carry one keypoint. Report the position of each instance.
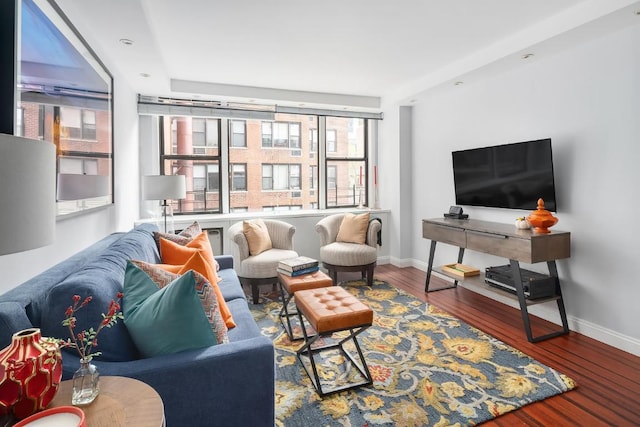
(535, 285)
(510, 176)
(455, 212)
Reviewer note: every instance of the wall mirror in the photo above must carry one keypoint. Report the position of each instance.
(65, 95)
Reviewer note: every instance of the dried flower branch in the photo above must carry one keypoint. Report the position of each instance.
(85, 341)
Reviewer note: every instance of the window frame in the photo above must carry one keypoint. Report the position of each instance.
(313, 184)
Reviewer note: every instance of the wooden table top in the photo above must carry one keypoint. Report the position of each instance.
(122, 402)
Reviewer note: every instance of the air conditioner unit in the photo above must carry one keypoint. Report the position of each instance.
(296, 153)
(296, 194)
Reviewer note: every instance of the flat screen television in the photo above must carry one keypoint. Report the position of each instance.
(510, 176)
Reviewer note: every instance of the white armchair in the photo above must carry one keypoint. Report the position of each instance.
(342, 256)
(261, 269)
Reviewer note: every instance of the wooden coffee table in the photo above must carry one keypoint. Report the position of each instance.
(122, 402)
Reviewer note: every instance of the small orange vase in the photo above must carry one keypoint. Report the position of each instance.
(541, 219)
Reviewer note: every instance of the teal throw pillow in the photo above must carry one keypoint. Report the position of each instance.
(167, 320)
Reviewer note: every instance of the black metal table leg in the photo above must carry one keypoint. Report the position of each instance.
(517, 277)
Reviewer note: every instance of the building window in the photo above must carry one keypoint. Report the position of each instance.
(238, 177)
(238, 133)
(267, 134)
(205, 133)
(78, 124)
(280, 177)
(313, 177)
(313, 140)
(331, 140)
(331, 178)
(281, 134)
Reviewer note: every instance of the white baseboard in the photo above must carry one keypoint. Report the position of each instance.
(550, 313)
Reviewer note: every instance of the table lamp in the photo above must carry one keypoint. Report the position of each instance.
(27, 192)
(73, 186)
(164, 187)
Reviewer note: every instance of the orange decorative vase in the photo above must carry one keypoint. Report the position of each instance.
(30, 373)
(541, 219)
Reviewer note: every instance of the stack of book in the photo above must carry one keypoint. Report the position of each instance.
(298, 266)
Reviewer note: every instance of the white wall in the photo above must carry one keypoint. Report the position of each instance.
(77, 232)
(587, 99)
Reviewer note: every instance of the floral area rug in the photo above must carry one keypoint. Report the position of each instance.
(428, 369)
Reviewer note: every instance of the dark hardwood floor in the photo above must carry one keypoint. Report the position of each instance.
(608, 391)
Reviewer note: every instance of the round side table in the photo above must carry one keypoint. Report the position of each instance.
(122, 402)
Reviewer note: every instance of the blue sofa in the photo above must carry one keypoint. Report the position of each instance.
(226, 384)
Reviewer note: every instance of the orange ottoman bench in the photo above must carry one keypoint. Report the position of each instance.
(289, 285)
(330, 310)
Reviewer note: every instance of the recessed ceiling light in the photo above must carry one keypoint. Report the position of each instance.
(126, 42)
(458, 83)
(527, 55)
(145, 75)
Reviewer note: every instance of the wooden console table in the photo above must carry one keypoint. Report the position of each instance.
(506, 241)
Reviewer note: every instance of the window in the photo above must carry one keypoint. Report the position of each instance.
(281, 177)
(346, 161)
(238, 177)
(313, 140)
(313, 177)
(267, 140)
(238, 133)
(78, 124)
(266, 165)
(205, 133)
(281, 135)
(206, 178)
(331, 140)
(190, 147)
(331, 177)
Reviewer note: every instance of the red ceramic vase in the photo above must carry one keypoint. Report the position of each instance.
(30, 373)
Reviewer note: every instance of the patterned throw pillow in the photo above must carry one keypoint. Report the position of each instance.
(182, 238)
(162, 278)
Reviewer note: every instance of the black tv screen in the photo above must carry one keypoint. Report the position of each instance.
(510, 176)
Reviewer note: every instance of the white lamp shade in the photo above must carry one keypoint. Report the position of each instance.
(27, 193)
(164, 187)
(73, 186)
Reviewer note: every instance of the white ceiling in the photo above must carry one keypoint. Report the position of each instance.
(392, 49)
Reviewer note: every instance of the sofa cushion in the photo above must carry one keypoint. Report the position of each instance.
(102, 279)
(183, 258)
(247, 327)
(13, 318)
(114, 343)
(230, 285)
(208, 298)
(167, 320)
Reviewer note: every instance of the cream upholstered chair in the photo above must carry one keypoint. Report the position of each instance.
(346, 256)
(261, 269)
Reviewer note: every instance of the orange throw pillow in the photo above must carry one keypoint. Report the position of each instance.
(183, 258)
